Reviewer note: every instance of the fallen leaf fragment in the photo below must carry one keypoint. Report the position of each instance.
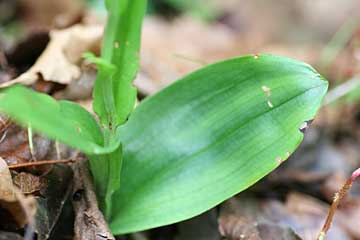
(22, 208)
(236, 228)
(28, 183)
(59, 61)
(299, 217)
(55, 194)
(6, 185)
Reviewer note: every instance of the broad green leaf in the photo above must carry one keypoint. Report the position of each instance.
(114, 95)
(63, 120)
(211, 135)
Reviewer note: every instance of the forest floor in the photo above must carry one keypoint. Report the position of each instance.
(41, 45)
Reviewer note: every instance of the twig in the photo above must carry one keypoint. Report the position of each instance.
(337, 199)
(40, 163)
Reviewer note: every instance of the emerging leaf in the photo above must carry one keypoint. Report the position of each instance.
(114, 95)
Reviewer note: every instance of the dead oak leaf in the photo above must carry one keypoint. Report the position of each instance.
(59, 61)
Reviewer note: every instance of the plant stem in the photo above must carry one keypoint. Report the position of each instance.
(337, 199)
(31, 144)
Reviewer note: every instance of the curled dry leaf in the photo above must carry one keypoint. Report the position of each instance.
(21, 208)
(59, 61)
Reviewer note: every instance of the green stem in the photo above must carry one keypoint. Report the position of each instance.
(111, 165)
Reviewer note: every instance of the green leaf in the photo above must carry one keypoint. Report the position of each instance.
(210, 136)
(63, 120)
(101, 63)
(114, 95)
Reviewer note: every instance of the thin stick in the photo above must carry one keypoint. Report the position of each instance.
(39, 163)
(337, 199)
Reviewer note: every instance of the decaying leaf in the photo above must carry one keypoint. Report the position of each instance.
(46, 13)
(14, 147)
(6, 185)
(53, 196)
(238, 228)
(59, 62)
(244, 218)
(300, 217)
(28, 183)
(21, 208)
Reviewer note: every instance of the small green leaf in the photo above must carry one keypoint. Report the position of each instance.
(64, 121)
(211, 135)
(114, 95)
(101, 63)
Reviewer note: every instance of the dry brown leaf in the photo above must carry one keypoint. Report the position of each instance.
(28, 183)
(81, 89)
(301, 216)
(14, 147)
(21, 208)
(46, 13)
(59, 61)
(6, 185)
(237, 227)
